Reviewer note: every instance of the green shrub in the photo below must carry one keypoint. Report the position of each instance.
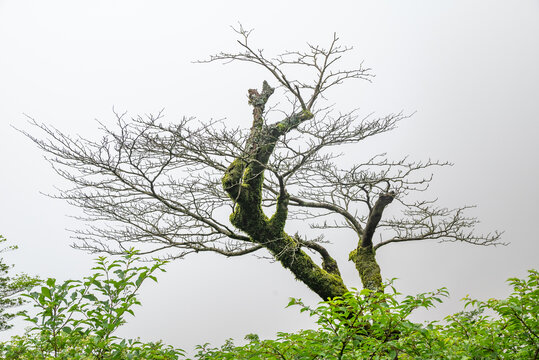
(76, 319)
(371, 325)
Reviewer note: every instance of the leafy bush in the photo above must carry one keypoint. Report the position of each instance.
(513, 333)
(360, 325)
(370, 325)
(76, 319)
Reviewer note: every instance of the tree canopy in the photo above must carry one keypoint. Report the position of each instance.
(189, 186)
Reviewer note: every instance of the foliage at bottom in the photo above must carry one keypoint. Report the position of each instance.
(77, 319)
(374, 325)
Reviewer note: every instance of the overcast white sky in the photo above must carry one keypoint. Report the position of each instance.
(468, 68)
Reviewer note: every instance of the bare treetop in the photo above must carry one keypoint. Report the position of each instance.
(320, 63)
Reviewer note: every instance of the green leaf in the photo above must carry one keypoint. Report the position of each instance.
(140, 278)
(90, 297)
(45, 291)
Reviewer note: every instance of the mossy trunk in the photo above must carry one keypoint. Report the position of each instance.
(364, 256)
(243, 182)
(367, 267)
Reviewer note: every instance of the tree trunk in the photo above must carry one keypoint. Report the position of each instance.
(364, 256)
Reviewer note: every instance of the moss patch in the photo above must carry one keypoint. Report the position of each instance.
(366, 265)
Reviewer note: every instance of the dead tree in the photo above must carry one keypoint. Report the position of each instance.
(189, 187)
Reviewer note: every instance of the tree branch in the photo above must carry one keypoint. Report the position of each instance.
(374, 218)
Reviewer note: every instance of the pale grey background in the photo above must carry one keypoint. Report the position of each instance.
(469, 69)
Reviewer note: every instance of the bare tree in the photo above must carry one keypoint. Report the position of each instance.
(191, 186)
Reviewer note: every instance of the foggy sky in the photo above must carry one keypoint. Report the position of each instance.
(468, 69)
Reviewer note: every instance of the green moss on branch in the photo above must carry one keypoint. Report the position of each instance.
(232, 178)
(367, 267)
